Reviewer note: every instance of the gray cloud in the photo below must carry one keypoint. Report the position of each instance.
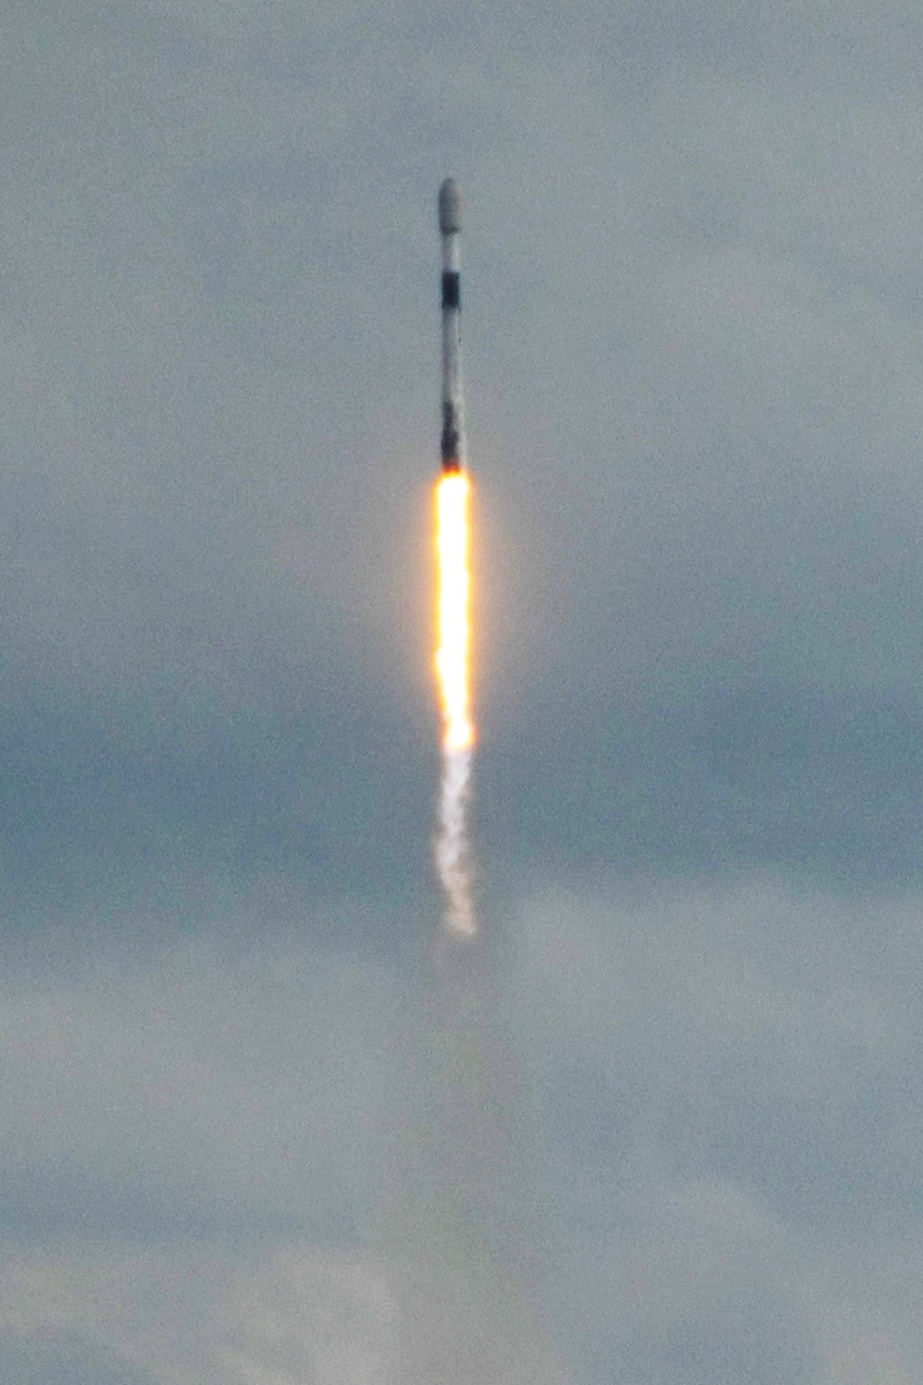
(64, 1361)
(722, 1175)
(152, 1099)
(691, 320)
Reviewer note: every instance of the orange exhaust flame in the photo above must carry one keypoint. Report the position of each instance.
(452, 655)
(454, 676)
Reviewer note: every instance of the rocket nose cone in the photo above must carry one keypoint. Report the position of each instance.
(449, 207)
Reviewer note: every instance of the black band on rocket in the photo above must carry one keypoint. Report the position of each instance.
(450, 437)
(451, 289)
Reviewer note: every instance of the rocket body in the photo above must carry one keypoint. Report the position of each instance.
(452, 447)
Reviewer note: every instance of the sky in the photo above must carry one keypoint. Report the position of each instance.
(666, 1117)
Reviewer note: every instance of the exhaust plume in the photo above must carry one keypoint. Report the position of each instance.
(453, 672)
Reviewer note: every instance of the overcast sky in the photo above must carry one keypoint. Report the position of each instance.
(693, 264)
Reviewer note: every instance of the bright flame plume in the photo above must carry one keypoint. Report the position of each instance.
(453, 668)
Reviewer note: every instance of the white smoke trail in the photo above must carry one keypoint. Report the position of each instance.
(452, 840)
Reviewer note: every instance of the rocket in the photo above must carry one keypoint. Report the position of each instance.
(453, 408)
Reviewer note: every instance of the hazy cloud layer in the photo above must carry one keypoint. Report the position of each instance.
(723, 1167)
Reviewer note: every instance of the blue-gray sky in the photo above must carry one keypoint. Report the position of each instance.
(693, 295)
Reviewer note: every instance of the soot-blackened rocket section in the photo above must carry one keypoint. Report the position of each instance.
(452, 447)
